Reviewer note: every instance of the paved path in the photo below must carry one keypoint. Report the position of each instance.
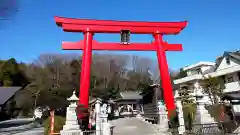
(134, 126)
(22, 129)
(35, 131)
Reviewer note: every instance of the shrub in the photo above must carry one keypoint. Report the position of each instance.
(189, 112)
(58, 124)
(215, 112)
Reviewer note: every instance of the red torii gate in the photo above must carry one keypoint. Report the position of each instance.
(89, 27)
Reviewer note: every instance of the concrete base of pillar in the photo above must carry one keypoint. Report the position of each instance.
(106, 128)
(71, 127)
(181, 129)
(204, 120)
(71, 132)
(165, 133)
(139, 116)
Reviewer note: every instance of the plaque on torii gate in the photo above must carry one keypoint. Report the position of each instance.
(88, 27)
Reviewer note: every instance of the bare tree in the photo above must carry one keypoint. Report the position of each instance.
(109, 71)
(141, 64)
(155, 73)
(139, 73)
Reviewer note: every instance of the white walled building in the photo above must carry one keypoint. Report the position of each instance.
(226, 67)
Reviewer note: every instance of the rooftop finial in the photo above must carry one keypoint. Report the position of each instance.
(73, 97)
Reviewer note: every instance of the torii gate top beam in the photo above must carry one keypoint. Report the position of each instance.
(109, 26)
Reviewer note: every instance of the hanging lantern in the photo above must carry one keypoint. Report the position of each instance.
(125, 37)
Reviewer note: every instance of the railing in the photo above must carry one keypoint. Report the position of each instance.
(87, 132)
(94, 132)
(90, 132)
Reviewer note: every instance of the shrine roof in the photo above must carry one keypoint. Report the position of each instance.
(6, 93)
(130, 95)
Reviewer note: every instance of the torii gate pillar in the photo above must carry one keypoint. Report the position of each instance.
(89, 27)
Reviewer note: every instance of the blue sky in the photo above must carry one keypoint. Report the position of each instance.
(213, 26)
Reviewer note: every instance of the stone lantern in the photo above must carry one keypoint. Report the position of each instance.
(71, 116)
(202, 115)
(163, 118)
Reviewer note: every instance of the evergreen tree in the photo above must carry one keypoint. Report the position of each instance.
(181, 74)
(11, 75)
(213, 87)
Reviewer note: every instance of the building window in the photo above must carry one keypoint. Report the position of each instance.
(227, 60)
(223, 78)
(230, 79)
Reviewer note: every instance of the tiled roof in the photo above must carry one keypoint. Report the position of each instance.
(234, 55)
(130, 95)
(6, 93)
(210, 70)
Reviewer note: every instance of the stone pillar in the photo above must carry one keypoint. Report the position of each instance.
(71, 126)
(181, 128)
(105, 126)
(139, 115)
(98, 116)
(163, 117)
(139, 110)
